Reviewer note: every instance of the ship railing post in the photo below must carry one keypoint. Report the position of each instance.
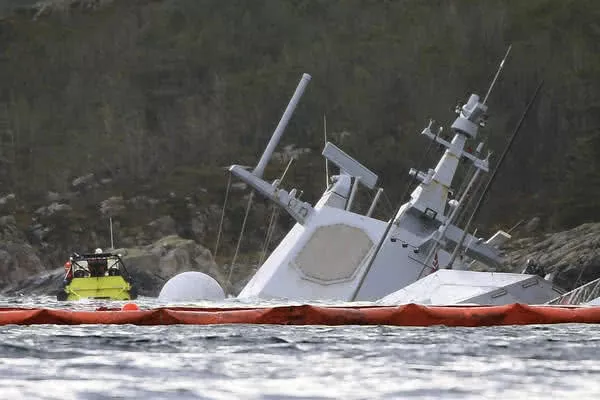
(374, 203)
(353, 193)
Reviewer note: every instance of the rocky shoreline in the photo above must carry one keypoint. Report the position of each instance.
(150, 266)
(572, 257)
(160, 237)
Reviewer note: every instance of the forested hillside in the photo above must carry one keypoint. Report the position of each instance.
(155, 97)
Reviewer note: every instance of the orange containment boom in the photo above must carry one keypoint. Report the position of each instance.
(404, 315)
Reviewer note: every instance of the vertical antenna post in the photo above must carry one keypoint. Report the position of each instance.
(497, 75)
(352, 193)
(326, 161)
(374, 203)
(112, 243)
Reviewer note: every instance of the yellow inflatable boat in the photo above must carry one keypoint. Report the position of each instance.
(96, 276)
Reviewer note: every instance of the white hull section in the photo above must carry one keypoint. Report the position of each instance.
(320, 260)
(595, 302)
(335, 254)
(446, 287)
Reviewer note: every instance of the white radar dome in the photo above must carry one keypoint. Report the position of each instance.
(191, 286)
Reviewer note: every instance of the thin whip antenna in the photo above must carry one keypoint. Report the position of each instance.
(112, 243)
(497, 74)
(326, 161)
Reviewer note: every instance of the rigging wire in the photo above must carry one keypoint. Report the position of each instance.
(390, 206)
(468, 208)
(269, 235)
(273, 219)
(220, 231)
(237, 248)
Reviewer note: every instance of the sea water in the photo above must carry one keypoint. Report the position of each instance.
(293, 362)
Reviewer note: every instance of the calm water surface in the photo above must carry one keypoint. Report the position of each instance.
(287, 362)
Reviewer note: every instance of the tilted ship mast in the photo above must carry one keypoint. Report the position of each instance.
(330, 252)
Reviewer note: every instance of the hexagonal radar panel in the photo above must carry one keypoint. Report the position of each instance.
(333, 253)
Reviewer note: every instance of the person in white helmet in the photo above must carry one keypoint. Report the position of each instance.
(97, 266)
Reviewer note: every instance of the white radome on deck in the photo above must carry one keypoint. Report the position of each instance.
(191, 286)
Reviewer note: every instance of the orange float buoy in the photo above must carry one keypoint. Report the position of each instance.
(130, 307)
(402, 315)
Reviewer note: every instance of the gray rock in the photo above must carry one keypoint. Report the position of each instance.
(112, 206)
(8, 203)
(44, 283)
(573, 255)
(140, 203)
(40, 232)
(199, 226)
(9, 232)
(52, 209)
(53, 197)
(152, 265)
(56, 208)
(7, 220)
(6, 200)
(163, 226)
(82, 180)
(533, 225)
(18, 262)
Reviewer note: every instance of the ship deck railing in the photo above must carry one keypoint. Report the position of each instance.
(580, 295)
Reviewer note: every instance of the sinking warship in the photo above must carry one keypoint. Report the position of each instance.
(419, 255)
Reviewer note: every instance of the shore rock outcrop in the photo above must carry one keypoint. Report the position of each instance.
(150, 267)
(18, 259)
(18, 262)
(573, 256)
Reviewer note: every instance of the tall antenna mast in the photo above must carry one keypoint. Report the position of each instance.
(112, 244)
(497, 75)
(326, 161)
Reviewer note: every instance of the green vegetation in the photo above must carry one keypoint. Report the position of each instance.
(159, 95)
